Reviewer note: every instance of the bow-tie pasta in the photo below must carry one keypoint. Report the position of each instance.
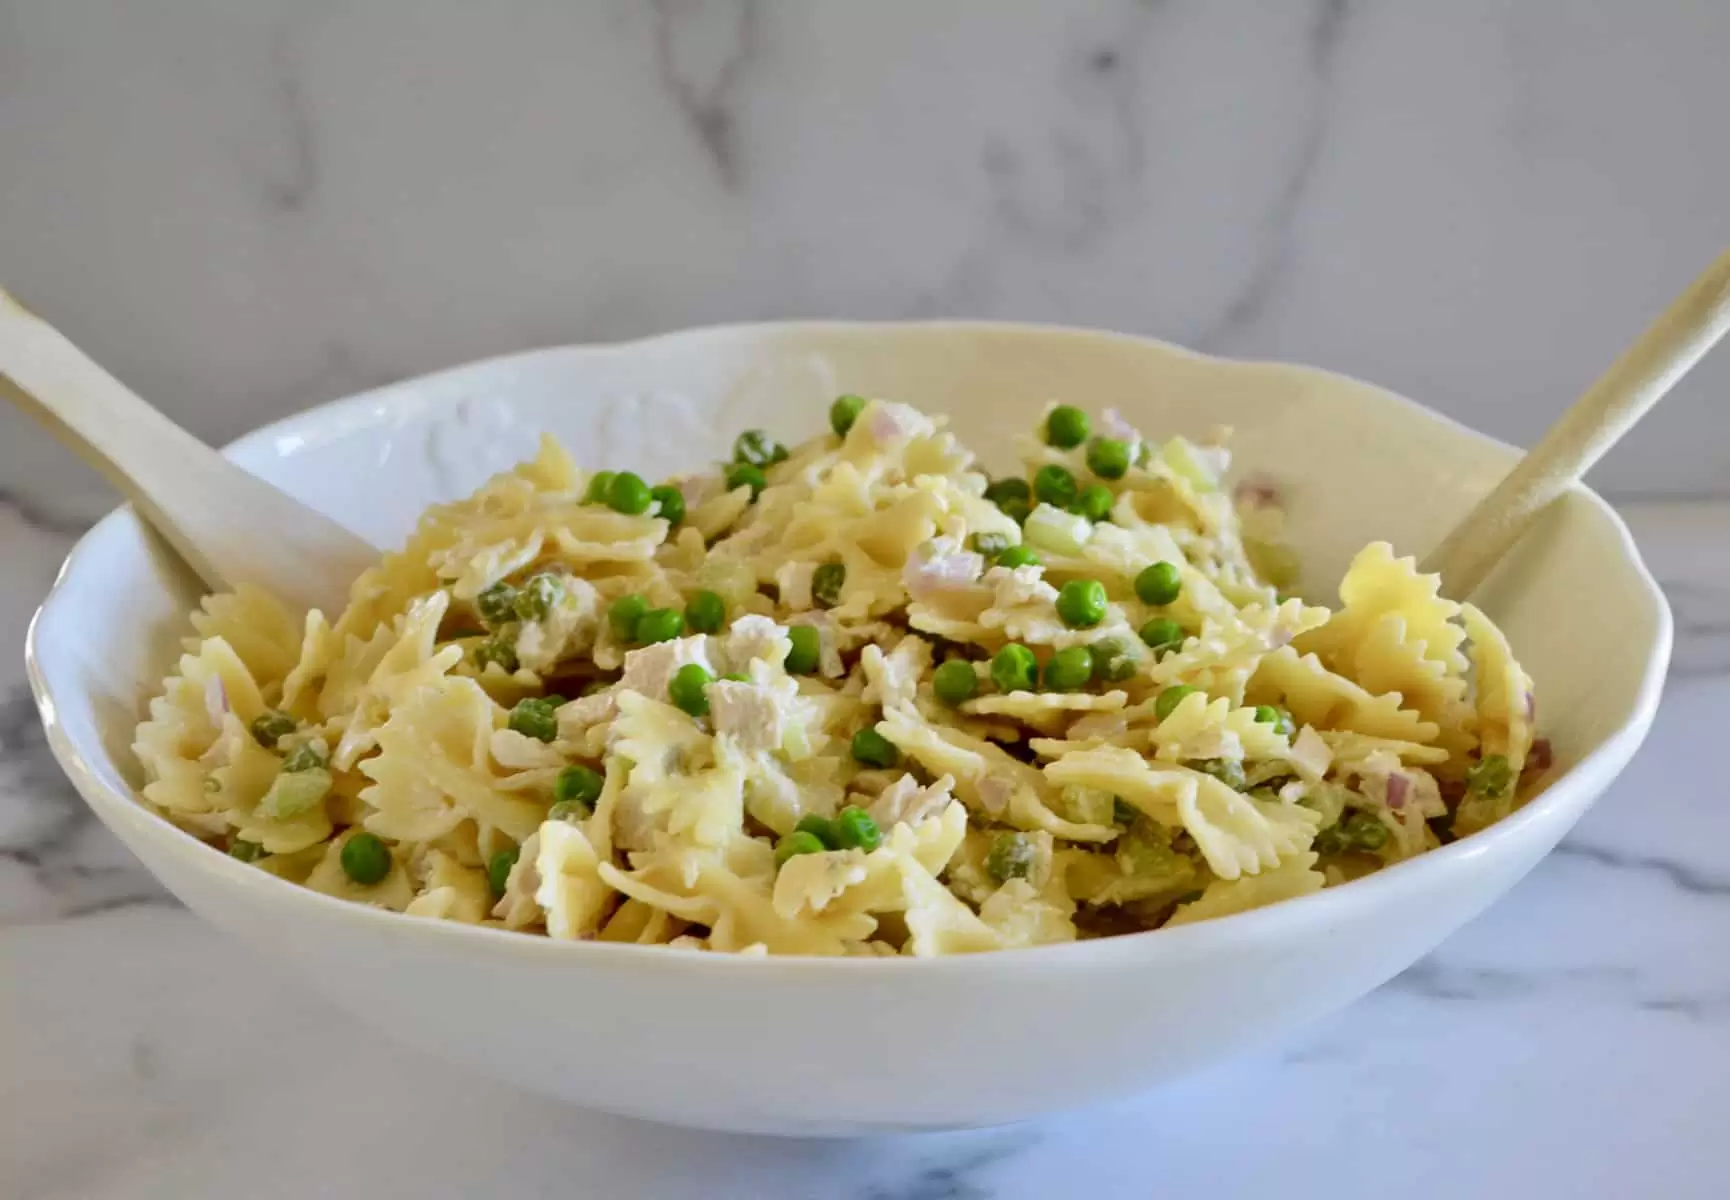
(849, 697)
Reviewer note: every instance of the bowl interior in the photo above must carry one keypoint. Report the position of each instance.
(1356, 464)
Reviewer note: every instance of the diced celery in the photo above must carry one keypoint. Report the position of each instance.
(1057, 532)
(294, 792)
(1086, 805)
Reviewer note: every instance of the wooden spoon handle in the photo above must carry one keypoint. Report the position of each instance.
(1636, 381)
(230, 526)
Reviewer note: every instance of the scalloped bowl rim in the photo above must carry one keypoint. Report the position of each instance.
(1185, 942)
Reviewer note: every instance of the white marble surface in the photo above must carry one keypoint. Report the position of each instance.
(245, 206)
(1570, 1042)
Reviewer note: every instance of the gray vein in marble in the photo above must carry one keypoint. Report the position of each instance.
(954, 1178)
(1435, 980)
(1327, 33)
(47, 833)
(1677, 874)
(702, 71)
(291, 186)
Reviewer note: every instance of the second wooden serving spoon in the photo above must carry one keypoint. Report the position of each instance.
(230, 526)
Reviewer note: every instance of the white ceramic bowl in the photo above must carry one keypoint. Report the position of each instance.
(812, 1046)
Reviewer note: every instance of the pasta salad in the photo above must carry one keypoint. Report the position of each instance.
(851, 697)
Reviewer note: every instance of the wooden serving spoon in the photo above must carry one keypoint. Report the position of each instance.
(230, 526)
(1636, 381)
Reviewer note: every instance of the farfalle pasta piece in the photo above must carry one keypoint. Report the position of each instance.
(1236, 834)
(451, 891)
(571, 892)
(186, 721)
(409, 664)
(434, 768)
(395, 891)
(1203, 728)
(1296, 876)
(263, 634)
(1316, 696)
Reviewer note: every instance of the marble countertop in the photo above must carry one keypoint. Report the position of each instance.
(1570, 1042)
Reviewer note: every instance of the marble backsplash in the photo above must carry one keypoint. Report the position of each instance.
(247, 206)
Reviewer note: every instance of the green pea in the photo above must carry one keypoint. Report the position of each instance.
(1159, 584)
(499, 868)
(1162, 634)
(955, 681)
(1170, 698)
(1081, 603)
(365, 859)
(1363, 831)
(624, 614)
(669, 503)
(245, 851)
(1228, 771)
(659, 625)
(1069, 670)
(807, 650)
(540, 594)
(1279, 718)
(1491, 778)
(758, 449)
(1094, 502)
(628, 494)
(844, 412)
(991, 544)
(706, 612)
(535, 718)
(565, 810)
(1113, 660)
(1018, 556)
(1011, 857)
(1009, 489)
(599, 484)
(827, 582)
(688, 689)
(577, 784)
(497, 649)
(1013, 497)
(874, 750)
(819, 827)
(304, 757)
(745, 475)
(1066, 427)
(795, 844)
(270, 725)
(1108, 458)
(497, 605)
(1054, 485)
(855, 830)
(1014, 669)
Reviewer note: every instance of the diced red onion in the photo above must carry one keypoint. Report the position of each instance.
(1117, 427)
(1398, 786)
(1257, 492)
(1541, 757)
(1531, 707)
(994, 794)
(885, 425)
